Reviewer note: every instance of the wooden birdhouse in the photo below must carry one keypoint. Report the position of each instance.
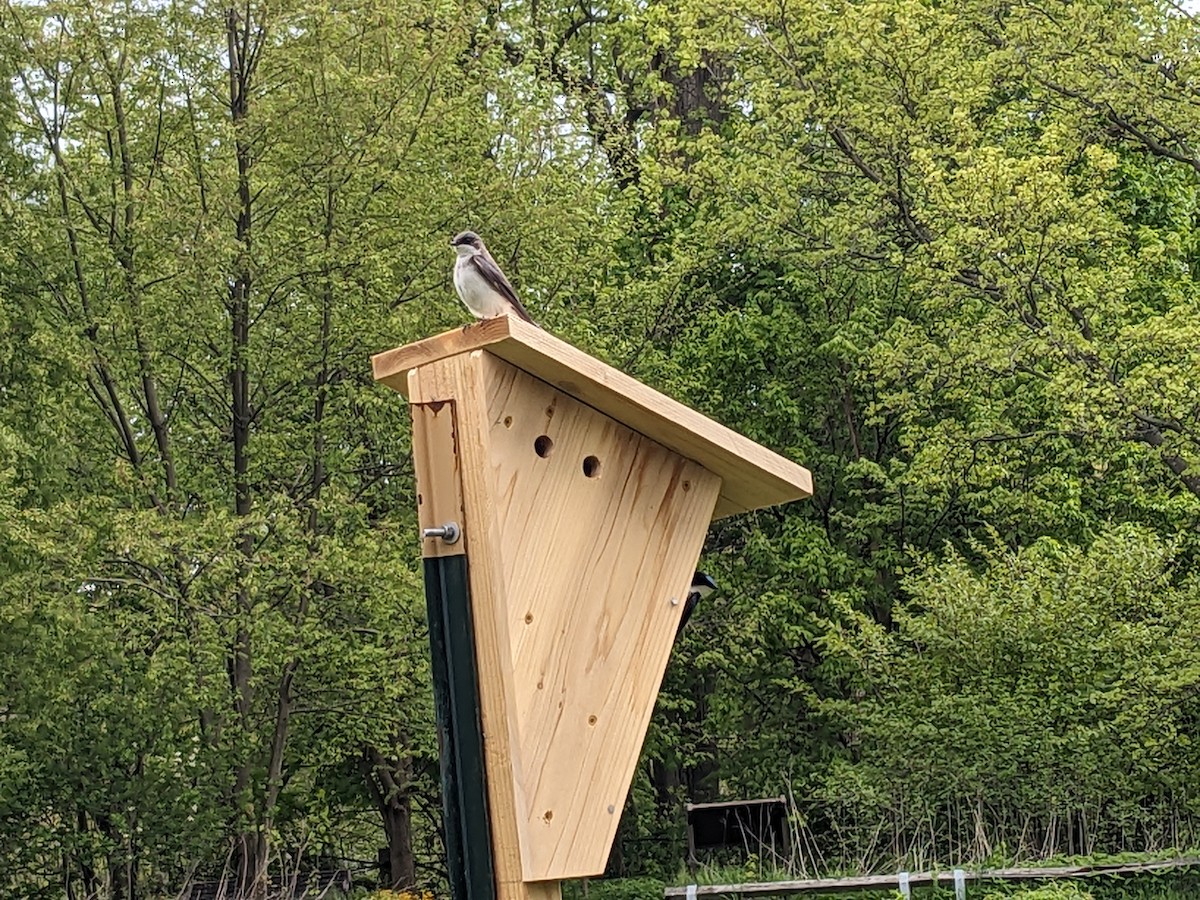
(565, 507)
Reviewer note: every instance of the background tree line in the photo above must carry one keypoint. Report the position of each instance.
(943, 254)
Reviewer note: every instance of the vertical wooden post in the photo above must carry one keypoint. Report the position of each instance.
(463, 461)
(452, 650)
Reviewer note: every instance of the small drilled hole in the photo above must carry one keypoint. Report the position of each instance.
(508, 421)
(591, 720)
(528, 618)
(591, 466)
(542, 445)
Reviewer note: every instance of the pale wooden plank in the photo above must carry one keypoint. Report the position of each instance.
(392, 366)
(439, 486)
(752, 476)
(800, 886)
(594, 558)
(460, 379)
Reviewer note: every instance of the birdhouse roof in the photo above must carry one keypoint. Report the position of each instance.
(752, 476)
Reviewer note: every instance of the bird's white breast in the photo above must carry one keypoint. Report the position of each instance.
(479, 296)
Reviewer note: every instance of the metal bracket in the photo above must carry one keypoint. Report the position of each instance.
(450, 532)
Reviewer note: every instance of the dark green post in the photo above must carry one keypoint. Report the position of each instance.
(460, 733)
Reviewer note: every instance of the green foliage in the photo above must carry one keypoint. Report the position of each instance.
(214, 649)
(1055, 891)
(615, 889)
(1017, 685)
(922, 256)
(943, 254)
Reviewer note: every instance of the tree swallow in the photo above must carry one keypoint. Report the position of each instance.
(702, 586)
(480, 283)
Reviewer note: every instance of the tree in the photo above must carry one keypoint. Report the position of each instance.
(228, 210)
(939, 254)
(1035, 702)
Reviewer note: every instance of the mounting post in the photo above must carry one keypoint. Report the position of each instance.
(460, 738)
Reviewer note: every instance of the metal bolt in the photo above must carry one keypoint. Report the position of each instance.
(611, 808)
(449, 532)
(674, 601)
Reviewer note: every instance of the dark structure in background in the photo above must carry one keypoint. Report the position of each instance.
(751, 826)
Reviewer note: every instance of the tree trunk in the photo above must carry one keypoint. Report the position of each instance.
(389, 782)
(87, 871)
(397, 823)
(118, 872)
(251, 842)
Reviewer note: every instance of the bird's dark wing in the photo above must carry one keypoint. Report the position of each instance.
(486, 266)
(702, 586)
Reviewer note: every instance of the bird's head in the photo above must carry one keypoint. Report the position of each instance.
(702, 585)
(467, 243)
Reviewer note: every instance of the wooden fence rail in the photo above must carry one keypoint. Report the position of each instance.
(921, 879)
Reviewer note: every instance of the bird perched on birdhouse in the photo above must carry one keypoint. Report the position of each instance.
(480, 284)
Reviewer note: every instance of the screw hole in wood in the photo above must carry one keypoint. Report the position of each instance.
(543, 446)
(591, 466)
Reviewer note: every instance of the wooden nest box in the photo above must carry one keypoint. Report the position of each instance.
(581, 499)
